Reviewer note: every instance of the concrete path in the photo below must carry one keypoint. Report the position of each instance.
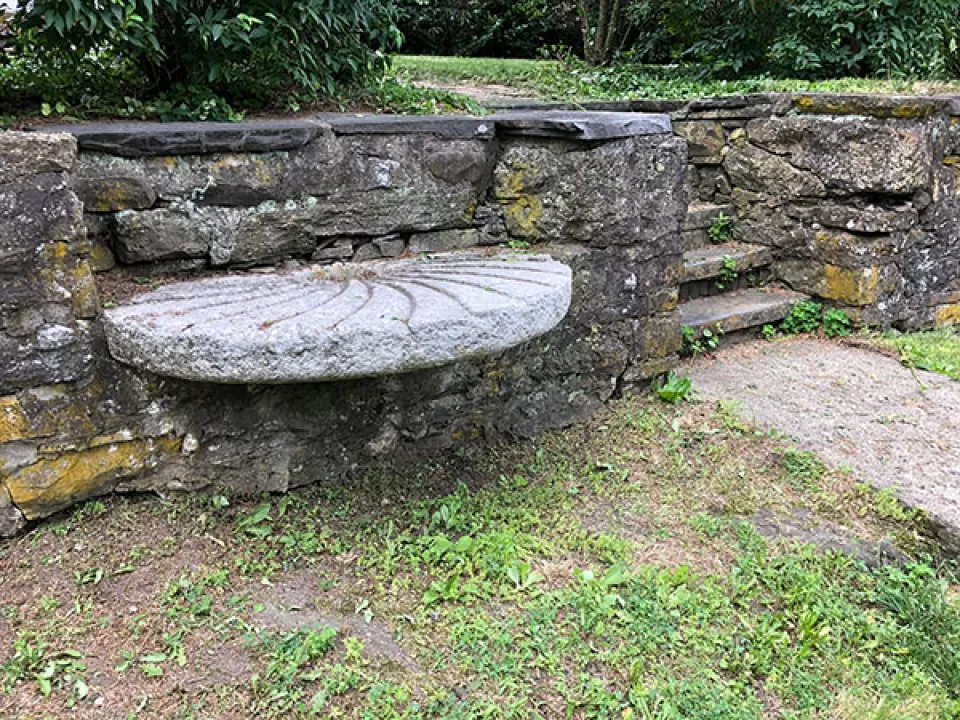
(856, 408)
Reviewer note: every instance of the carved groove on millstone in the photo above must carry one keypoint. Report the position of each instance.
(341, 322)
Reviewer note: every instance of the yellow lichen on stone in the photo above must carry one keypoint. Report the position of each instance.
(13, 421)
(523, 210)
(55, 483)
(948, 315)
(84, 295)
(852, 287)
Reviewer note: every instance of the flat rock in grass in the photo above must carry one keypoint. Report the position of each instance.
(854, 408)
(341, 322)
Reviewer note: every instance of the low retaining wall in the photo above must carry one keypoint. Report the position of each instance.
(857, 195)
(857, 198)
(139, 203)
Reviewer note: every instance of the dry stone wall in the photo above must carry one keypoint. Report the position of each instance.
(126, 207)
(856, 195)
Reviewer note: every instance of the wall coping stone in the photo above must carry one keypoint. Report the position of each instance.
(200, 138)
(341, 322)
(455, 127)
(190, 138)
(581, 125)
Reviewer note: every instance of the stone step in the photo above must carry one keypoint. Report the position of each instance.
(709, 262)
(740, 310)
(700, 217)
(341, 322)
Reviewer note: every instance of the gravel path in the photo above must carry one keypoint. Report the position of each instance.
(854, 407)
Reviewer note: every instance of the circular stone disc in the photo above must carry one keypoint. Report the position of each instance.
(341, 322)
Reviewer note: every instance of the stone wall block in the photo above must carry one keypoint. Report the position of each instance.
(851, 154)
(106, 195)
(626, 192)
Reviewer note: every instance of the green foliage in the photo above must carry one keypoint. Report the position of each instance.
(728, 273)
(836, 323)
(768, 332)
(697, 344)
(487, 28)
(805, 469)
(248, 51)
(674, 389)
(720, 229)
(936, 351)
(804, 318)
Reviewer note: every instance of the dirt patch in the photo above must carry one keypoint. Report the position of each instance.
(486, 94)
(297, 603)
(856, 408)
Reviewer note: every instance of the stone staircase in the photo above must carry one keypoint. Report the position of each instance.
(726, 287)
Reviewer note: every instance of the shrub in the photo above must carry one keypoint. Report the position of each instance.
(248, 50)
(820, 38)
(804, 318)
(836, 323)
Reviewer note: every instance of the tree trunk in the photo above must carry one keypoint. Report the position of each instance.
(604, 25)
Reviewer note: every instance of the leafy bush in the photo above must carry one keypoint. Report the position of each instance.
(817, 38)
(247, 50)
(836, 323)
(804, 318)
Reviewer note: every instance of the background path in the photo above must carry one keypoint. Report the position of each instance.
(854, 407)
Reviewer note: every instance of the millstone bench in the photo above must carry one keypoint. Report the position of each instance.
(330, 294)
(341, 322)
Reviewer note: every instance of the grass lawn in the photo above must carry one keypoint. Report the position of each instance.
(577, 81)
(937, 351)
(611, 571)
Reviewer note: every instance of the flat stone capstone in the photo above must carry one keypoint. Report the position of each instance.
(341, 322)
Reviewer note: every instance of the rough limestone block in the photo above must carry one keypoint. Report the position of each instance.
(851, 154)
(858, 287)
(623, 192)
(444, 240)
(705, 140)
(54, 483)
(352, 321)
(114, 194)
(25, 154)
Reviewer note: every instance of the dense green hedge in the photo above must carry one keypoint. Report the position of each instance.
(236, 50)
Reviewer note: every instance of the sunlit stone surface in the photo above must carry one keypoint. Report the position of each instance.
(341, 322)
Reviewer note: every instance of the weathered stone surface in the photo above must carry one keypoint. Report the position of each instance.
(51, 484)
(443, 241)
(13, 422)
(857, 287)
(850, 154)
(459, 127)
(11, 519)
(147, 139)
(755, 169)
(863, 218)
(580, 125)
(25, 154)
(357, 321)
(877, 106)
(947, 315)
(114, 194)
(709, 262)
(705, 139)
(738, 310)
(624, 192)
(164, 234)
